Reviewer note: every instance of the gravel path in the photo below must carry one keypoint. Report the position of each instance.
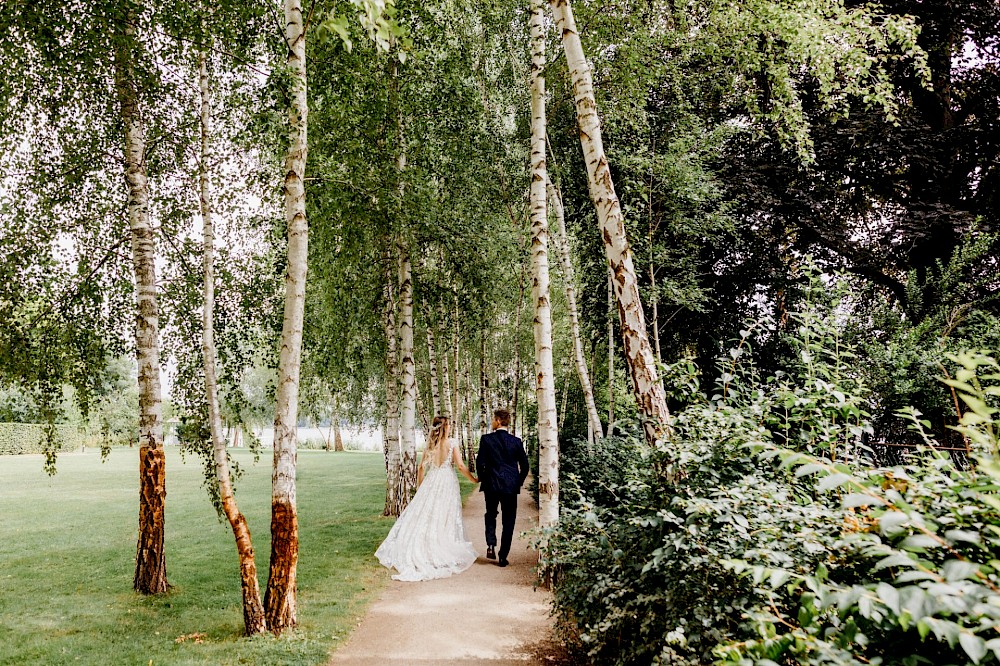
(487, 616)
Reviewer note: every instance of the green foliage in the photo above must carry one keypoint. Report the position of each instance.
(906, 354)
(19, 438)
(915, 572)
(760, 533)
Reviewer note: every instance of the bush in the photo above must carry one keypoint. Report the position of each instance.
(18, 438)
(759, 532)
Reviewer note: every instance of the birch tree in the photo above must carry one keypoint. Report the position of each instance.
(393, 463)
(548, 437)
(432, 369)
(150, 566)
(253, 607)
(407, 426)
(639, 356)
(593, 418)
(280, 597)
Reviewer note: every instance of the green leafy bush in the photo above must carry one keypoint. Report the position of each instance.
(760, 533)
(18, 438)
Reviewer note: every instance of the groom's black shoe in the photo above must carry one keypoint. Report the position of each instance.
(502, 563)
(491, 554)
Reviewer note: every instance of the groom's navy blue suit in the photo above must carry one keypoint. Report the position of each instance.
(502, 467)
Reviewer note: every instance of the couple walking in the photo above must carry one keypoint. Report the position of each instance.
(428, 539)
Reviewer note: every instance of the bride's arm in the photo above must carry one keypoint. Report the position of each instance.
(457, 458)
(420, 468)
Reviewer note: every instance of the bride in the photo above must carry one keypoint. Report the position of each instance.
(428, 540)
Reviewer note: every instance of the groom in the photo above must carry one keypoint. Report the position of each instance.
(502, 467)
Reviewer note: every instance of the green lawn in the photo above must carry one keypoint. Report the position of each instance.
(67, 548)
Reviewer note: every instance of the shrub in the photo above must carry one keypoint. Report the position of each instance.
(19, 438)
(759, 532)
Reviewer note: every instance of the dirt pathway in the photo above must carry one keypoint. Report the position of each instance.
(487, 616)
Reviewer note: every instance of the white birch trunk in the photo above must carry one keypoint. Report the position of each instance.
(150, 566)
(517, 345)
(548, 437)
(593, 417)
(280, 598)
(611, 356)
(447, 405)
(432, 370)
(393, 460)
(649, 393)
(407, 426)
(484, 406)
(253, 606)
(456, 375)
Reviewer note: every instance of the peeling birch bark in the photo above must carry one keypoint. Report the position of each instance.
(150, 562)
(281, 596)
(393, 461)
(639, 356)
(407, 426)
(432, 370)
(253, 606)
(545, 391)
(593, 417)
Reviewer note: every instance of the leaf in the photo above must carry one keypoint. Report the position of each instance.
(962, 535)
(920, 541)
(973, 645)
(954, 570)
(994, 644)
(811, 468)
(915, 574)
(889, 596)
(894, 560)
(977, 405)
(854, 500)
(891, 522)
(833, 481)
(778, 578)
(923, 628)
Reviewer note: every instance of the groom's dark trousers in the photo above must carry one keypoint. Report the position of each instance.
(508, 513)
(502, 466)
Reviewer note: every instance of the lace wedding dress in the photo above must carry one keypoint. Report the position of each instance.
(428, 540)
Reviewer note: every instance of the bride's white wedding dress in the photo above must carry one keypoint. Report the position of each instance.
(428, 540)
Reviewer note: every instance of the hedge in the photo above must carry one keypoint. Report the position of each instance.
(17, 438)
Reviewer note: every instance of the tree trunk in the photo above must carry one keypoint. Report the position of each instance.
(150, 562)
(432, 370)
(593, 417)
(649, 393)
(455, 351)
(408, 474)
(484, 406)
(280, 598)
(517, 350)
(565, 397)
(253, 607)
(447, 405)
(471, 441)
(393, 463)
(611, 357)
(338, 439)
(548, 437)
(422, 417)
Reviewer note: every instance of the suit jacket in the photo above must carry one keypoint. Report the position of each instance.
(501, 463)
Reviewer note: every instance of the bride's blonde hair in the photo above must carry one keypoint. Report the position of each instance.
(437, 435)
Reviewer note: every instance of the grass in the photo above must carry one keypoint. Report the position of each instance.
(67, 549)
